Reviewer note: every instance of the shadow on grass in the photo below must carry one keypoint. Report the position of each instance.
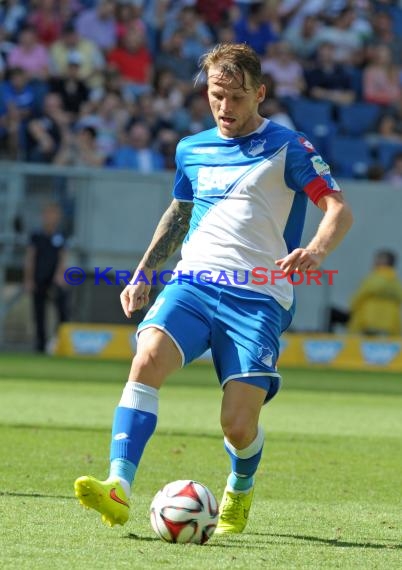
(331, 541)
(94, 429)
(34, 495)
(133, 536)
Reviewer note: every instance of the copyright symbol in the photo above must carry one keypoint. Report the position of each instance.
(74, 276)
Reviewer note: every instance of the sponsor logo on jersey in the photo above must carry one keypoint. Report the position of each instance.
(307, 144)
(90, 342)
(322, 351)
(216, 179)
(256, 147)
(379, 353)
(319, 165)
(205, 150)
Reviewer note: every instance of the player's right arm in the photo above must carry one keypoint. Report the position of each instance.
(168, 235)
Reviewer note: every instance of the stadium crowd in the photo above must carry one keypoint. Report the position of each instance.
(111, 82)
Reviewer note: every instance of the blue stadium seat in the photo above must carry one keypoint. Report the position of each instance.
(358, 118)
(350, 156)
(314, 118)
(310, 116)
(386, 151)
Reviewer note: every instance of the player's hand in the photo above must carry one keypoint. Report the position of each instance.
(135, 297)
(299, 260)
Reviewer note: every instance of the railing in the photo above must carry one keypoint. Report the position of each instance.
(110, 216)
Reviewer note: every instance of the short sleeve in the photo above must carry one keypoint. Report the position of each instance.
(182, 188)
(306, 171)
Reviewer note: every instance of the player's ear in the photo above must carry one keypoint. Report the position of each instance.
(261, 92)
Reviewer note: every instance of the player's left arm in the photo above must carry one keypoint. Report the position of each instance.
(334, 226)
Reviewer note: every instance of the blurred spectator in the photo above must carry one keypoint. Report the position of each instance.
(384, 33)
(255, 28)
(154, 14)
(172, 57)
(111, 81)
(45, 263)
(344, 37)
(381, 78)
(375, 308)
(92, 61)
(44, 133)
(79, 149)
(387, 129)
(5, 44)
(99, 25)
(147, 112)
(167, 97)
(215, 13)
(394, 175)
(30, 55)
(285, 70)
(134, 61)
(47, 21)
(276, 111)
(304, 41)
(194, 117)
(128, 16)
(12, 16)
(226, 34)
(328, 80)
(196, 35)
(137, 153)
(167, 142)
(70, 87)
(17, 103)
(108, 117)
(293, 12)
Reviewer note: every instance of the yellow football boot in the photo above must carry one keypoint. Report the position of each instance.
(106, 497)
(233, 511)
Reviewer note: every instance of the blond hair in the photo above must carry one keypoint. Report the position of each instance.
(235, 60)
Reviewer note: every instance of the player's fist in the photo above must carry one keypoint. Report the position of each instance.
(299, 259)
(135, 296)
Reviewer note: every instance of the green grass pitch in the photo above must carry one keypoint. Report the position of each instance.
(328, 491)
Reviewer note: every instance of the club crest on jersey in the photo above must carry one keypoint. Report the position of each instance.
(307, 144)
(256, 147)
(265, 355)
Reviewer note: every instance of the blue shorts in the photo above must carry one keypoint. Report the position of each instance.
(241, 327)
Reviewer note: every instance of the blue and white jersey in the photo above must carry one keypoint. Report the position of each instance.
(250, 197)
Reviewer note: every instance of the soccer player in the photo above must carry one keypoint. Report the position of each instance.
(239, 203)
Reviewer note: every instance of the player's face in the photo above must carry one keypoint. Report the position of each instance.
(235, 109)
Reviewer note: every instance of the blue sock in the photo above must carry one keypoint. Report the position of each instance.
(133, 424)
(244, 463)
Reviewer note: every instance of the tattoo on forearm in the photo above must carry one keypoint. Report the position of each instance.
(169, 234)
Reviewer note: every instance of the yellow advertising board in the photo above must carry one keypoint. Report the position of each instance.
(297, 350)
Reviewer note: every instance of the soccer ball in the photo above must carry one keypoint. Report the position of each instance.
(184, 511)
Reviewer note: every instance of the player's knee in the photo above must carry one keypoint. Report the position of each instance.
(146, 360)
(147, 367)
(239, 433)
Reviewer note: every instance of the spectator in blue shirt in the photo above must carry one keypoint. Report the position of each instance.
(137, 153)
(255, 29)
(17, 102)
